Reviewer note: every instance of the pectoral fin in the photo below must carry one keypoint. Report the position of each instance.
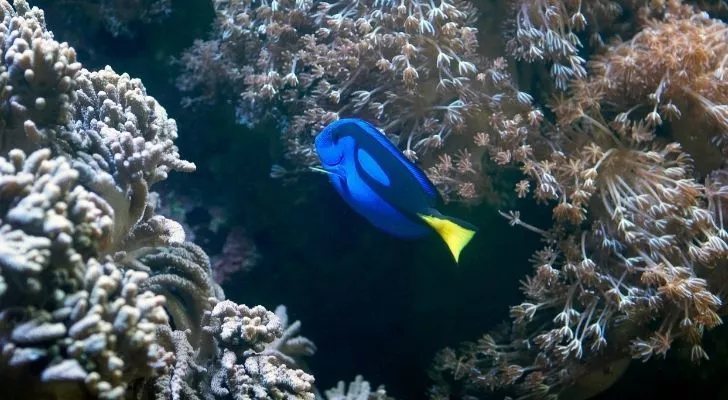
(325, 172)
(455, 235)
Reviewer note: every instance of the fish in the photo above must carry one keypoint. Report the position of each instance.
(378, 182)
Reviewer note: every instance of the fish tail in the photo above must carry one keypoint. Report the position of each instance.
(455, 233)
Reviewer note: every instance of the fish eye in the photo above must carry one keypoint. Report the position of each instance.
(330, 147)
(332, 159)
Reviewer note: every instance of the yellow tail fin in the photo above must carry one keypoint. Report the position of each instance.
(455, 236)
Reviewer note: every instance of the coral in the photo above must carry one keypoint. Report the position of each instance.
(259, 349)
(628, 266)
(547, 31)
(181, 272)
(37, 75)
(411, 67)
(51, 225)
(358, 389)
(206, 74)
(290, 346)
(552, 33)
(90, 275)
(72, 320)
(239, 254)
(256, 374)
(221, 349)
(514, 369)
(124, 144)
(118, 137)
(238, 357)
(673, 71)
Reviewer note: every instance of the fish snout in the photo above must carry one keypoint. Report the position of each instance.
(330, 153)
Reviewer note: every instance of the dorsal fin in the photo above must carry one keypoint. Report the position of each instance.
(419, 175)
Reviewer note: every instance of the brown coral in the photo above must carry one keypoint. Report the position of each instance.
(51, 224)
(548, 31)
(673, 70)
(637, 227)
(412, 68)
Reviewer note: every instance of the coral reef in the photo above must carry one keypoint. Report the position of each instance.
(81, 318)
(101, 297)
(632, 265)
(411, 67)
(628, 155)
(358, 389)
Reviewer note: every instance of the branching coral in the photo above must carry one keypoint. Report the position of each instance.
(221, 350)
(77, 317)
(89, 273)
(124, 144)
(290, 346)
(234, 359)
(37, 75)
(412, 67)
(118, 137)
(68, 311)
(181, 272)
(358, 389)
(50, 226)
(256, 374)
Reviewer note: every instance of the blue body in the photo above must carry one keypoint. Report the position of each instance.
(375, 178)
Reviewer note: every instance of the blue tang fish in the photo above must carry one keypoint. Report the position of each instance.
(383, 186)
